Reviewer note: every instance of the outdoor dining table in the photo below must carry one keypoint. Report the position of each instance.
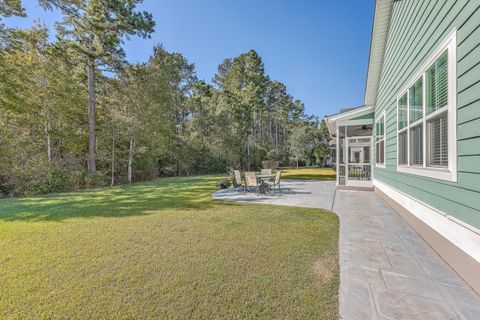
(262, 179)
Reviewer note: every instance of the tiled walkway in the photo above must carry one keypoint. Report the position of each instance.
(386, 270)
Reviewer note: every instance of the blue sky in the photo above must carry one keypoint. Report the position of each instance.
(318, 48)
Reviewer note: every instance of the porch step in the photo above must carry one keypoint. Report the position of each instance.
(355, 188)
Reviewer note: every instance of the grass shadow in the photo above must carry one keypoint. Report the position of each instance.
(310, 173)
(127, 200)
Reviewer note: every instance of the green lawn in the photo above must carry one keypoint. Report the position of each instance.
(309, 174)
(165, 250)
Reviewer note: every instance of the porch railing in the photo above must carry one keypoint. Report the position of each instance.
(359, 171)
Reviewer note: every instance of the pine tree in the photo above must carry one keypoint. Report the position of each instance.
(94, 29)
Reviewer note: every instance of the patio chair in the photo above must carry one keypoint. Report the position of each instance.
(251, 182)
(266, 171)
(276, 182)
(238, 180)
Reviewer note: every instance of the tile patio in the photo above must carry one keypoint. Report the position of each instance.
(387, 271)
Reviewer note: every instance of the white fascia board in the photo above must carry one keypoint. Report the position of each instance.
(332, 121)
(378, 43)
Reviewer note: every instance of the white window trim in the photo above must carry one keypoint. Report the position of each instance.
(450, 174)
(378, 119)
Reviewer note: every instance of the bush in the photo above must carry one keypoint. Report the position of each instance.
(270, 164)
(167, 171)
(99, 179)
(224, 184)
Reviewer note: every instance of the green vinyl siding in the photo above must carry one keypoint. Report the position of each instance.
(417, 29)
(468, 113)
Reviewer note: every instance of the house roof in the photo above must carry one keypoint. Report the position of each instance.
(380, 28)
(378, 42)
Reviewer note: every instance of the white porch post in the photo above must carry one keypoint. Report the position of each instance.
(346, 155)
(337, 156)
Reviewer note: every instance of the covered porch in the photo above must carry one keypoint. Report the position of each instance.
(353, 131)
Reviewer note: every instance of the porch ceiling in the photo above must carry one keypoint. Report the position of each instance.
(365, 130)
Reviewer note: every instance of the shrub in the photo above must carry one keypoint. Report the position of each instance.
(167, 171)
(224, 184)
(270, 164)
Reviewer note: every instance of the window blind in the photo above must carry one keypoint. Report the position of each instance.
(402, 112)
(416, 145)
(438, 131)
(381, 152)
(416, 101)
(437, 84)
(402, 148)
(380, 140)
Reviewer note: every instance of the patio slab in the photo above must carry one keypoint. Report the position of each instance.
(298, 193)
(404, 276)
(387, 271)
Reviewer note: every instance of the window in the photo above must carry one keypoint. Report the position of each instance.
(426, 114)
(380, 141)
(437, 110)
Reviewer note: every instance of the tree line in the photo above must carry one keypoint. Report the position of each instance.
(74, 113)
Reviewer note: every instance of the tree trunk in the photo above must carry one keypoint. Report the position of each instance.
(130, 159)
(260, 128)
(113, 158)
(297, 164)
(91, 164)
(49, 143)
(254, 128)
(248, 152)
(270, 135)
(276, 137)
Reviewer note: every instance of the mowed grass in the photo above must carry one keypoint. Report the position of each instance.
(309, 174)
(165, 250)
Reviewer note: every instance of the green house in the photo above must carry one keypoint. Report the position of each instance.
(416, 139)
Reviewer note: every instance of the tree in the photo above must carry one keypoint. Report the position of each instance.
(299, 142)
(321, 153)
(153, 118)
(321, 138)
(38, 115)
(9, 8)
(95, 29)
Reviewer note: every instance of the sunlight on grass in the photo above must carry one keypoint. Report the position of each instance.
(309, 174)
(164, 249)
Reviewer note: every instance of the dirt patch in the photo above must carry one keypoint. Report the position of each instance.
(326, 268)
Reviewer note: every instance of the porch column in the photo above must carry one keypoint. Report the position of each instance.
(337, 156)
(346, 156)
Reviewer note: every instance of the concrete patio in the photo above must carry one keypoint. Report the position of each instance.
(386, 270)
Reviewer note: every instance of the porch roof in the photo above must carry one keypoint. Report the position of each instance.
(357, 116)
